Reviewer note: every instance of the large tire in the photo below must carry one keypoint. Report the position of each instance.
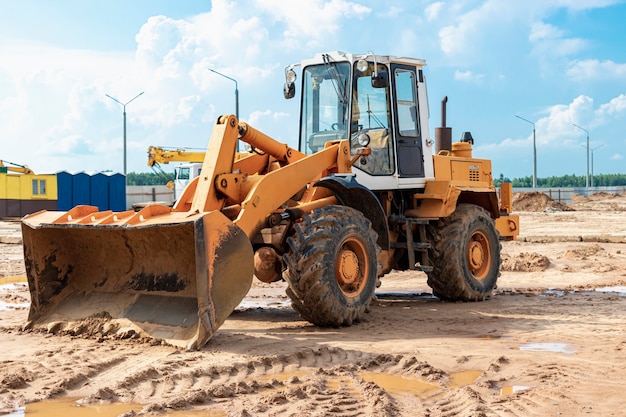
(332, 266)
(465, 255)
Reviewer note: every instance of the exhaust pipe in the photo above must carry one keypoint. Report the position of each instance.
(443, 134)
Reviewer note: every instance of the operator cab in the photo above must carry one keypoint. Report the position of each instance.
(374, 101)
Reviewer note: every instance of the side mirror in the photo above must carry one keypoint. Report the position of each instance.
(289, 90)
(380, 79)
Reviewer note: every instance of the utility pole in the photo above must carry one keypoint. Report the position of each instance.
(124, 115)
(593, 149)
(587, 182)
(236, 91)
(534, 151)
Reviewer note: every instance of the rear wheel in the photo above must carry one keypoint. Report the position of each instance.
(465, 255)
(332, 266)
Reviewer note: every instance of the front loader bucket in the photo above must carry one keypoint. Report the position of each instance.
(170, 276)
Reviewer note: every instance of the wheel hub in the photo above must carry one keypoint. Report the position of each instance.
(478, 256)
(348, 267)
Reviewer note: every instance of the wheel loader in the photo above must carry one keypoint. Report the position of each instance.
(367, 191)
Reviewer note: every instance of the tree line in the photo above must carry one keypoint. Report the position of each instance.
(599, 180)
(149, 178)
(565, 181)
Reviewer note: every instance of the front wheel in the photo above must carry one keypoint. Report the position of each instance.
(332, 267)
(465, 255)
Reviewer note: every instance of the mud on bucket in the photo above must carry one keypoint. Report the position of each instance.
(170, 277)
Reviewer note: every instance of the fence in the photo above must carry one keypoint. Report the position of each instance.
(136, 194)
(564, 195)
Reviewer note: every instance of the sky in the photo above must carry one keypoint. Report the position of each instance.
(555, 63)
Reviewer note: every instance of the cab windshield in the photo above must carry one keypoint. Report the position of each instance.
(324, 105)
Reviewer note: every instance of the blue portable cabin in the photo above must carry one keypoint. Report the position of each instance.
(99, 191)
(117, 191)
(65, 181)
(81, 189)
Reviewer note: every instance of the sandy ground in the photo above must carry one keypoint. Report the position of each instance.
(551, 341)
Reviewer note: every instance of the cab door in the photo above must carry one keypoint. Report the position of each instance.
(407, 128)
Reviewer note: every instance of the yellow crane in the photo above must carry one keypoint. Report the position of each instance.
(159, 155)
(13, 167)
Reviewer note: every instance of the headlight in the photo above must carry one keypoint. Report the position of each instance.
(363, 139)
(362, 65)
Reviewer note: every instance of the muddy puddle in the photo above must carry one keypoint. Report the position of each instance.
(404, 295)
(554, 347)
(71, 407)
(253, 303)
(12, 279)
(513, 389)
(490, 337)
(392, 383)
(9, 287)
(618, 289)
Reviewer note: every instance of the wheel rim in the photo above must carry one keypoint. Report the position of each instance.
(479, 255)
(351, 267)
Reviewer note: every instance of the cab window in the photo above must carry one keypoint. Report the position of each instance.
(324, 105)
(183, 173)
(371, 115)
(407, 103)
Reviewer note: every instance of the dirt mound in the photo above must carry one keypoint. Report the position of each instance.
(600, 201)
(601, 195)
(584, 252)
(525, 262)
(537, 201)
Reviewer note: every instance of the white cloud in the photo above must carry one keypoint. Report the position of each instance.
(56, 97)
(549, 41)
(392, 12)
(558, 126)
(468, 76)
(591, 69)
(499, 25)
(471, 28)
(310, 22)
(540, 31)
(433, 10)
(578, 5)
(55, 100)
(406, 42)
(555, 130)
(617, 157)
(257, 118)
(615, 107)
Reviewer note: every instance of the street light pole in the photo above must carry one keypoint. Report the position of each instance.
(534, 151)
(236, 91)
(124, 114)
(593, 149)
(587, 181)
